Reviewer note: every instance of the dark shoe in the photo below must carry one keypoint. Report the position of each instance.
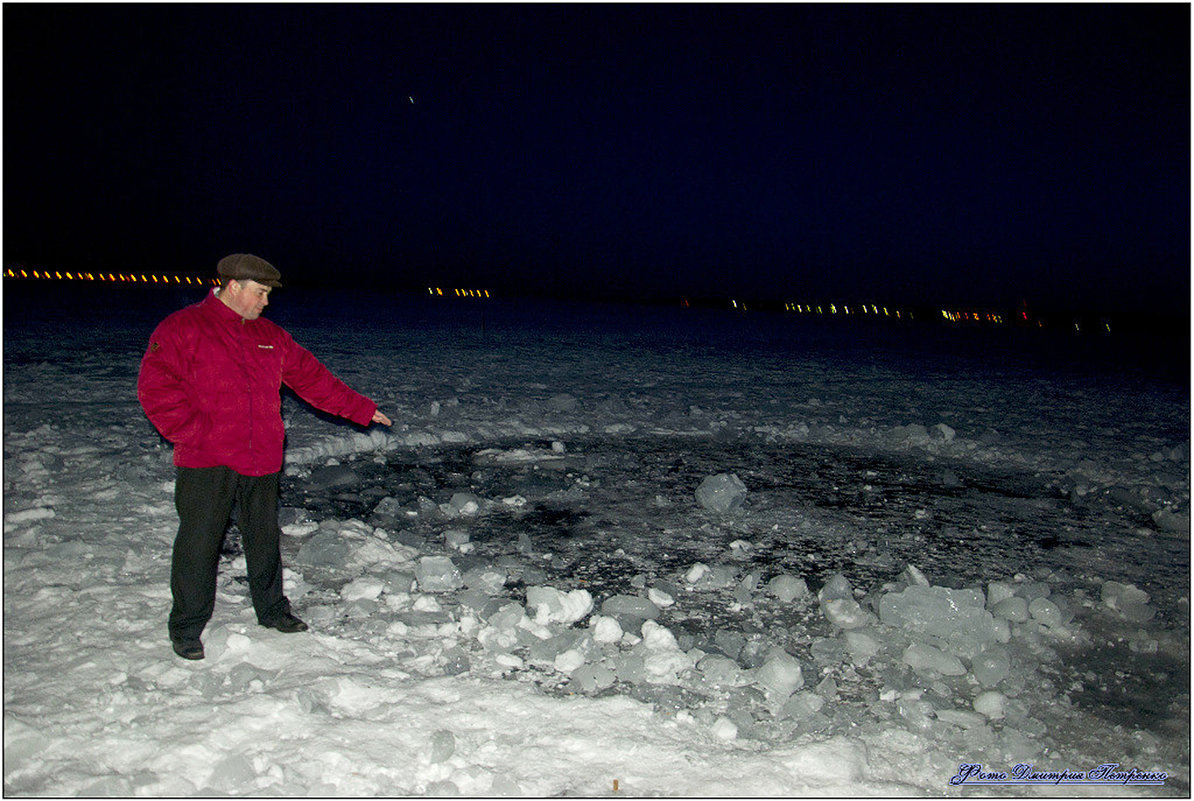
(286, 623)
(188, 649)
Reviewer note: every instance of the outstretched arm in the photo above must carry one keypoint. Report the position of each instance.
(315, 384)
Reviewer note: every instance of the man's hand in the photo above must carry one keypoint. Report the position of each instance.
(378, 417)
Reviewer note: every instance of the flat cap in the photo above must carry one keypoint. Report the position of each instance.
(250, 268)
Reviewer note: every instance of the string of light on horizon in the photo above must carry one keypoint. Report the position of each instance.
(128, 278)
(827, 309)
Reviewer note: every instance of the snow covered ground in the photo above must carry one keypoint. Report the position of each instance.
(939, 550)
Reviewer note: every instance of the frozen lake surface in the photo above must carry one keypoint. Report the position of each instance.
(597, 621)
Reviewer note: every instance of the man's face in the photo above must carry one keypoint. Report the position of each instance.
(246, 298)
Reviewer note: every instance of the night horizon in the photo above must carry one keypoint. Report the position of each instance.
(973, 155)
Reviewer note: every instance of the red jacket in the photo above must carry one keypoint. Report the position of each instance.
(211, 383)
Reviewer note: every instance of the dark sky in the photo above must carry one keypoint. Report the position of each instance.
(928, 154)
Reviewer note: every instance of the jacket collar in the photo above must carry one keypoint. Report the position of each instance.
(213, 305)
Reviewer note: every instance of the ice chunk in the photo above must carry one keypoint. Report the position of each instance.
(456, 662)
(1013, 609)
(916, 712)
(802, 705)
(998, 591)
(861, 645)
(593, 678)
(722, 493)
(913, 576)
(662, 658)
(955, 617)
(720, 670)
(658, 638)
(443, 745)
(508, 617)
(569, 661)
(1045, 611)
(503, 786)
(1143, 646)
(921, 657)
(724, 729)
(630, 605)
(660, 598)
(837, 587)
(438, 574)
(488, 580)
(631, 668)
(364, 587)
(787, 588)
(562, 402)
(232, 773)
(780, 674)
(943, 432)
(456, 538)
(1168, 521)
(462, 504)
(846, 613)
(605, 629)
(553, 606)
(991, 703)
(1128, 600)
(442, 788)
(325, 549)
(961, 717)
(991, 666)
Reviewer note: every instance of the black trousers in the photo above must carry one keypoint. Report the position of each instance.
(204, 498)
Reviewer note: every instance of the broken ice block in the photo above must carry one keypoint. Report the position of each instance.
(593, 678)
(553, 606)
(846, 613)
(787, 588)
(438, 574)
(1045, 611)
(630, 605)
(991, 666)
(605, 629)
(1014, 609)
(780, 674)
(722, 493)
(837, 587)
(955, 617)
(921, 657)
(1128, 600)
(991, 703)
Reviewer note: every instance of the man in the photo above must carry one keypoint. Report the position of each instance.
(211, 383)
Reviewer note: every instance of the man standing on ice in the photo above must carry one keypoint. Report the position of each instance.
(211, 383)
